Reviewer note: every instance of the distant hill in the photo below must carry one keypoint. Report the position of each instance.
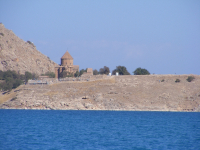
(21, 56)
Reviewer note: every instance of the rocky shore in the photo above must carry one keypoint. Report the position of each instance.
(134, 93)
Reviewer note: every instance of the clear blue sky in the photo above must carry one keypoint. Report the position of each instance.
(162, 36)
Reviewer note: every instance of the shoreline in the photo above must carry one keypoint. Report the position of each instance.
(99, 110)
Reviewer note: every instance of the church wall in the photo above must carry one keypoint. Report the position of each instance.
(65, 62)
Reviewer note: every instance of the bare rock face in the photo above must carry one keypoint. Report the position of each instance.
(21, 56)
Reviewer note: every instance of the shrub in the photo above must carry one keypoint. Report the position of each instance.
(14, 98)
(177, 80)
(162, 80)
(2, 34)
(141, 71)
(29, 42)
(190, 78)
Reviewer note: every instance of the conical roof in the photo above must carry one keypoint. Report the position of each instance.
(66, 56)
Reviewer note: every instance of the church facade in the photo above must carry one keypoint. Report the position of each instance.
(66, 65)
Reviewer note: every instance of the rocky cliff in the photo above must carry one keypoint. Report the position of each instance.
(21, 56)
(142, 93)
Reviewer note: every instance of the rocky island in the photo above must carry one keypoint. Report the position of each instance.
(131, 92)
(90, 92)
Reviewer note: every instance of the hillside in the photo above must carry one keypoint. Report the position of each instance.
(21, 56)
(131, 92)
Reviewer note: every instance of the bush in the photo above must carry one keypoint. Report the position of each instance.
(141, 71)
(190, 78)
(2, 34)
(162, 80)
(177, 80)
(31, 43)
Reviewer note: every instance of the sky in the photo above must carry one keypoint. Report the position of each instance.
(162, 36)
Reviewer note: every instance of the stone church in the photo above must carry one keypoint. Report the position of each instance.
(66, 65)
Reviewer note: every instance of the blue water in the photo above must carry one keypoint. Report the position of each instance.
(117, 130)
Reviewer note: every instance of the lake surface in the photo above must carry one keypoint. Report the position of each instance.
(117, 130)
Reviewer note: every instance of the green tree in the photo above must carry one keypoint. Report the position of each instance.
(13, 80)
(82, 71)
(121, 70)
(17, 83)
(28, 76)
(8, 74)
(22, 77)
(104, 70)
(141, 71)
(35, 76)
(8, 84)
(1, 75)
(95, 72)
(76, 74)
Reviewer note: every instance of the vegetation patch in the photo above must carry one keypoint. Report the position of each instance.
(6, 97)
(141, 71)
(14, 98)
(1, 34)
(177, 80)
(104, 70)
(49, 74)
(11, 80)
(65, 74)
(121, 70)
(190, 78)
(162, 80)
(31, 43)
